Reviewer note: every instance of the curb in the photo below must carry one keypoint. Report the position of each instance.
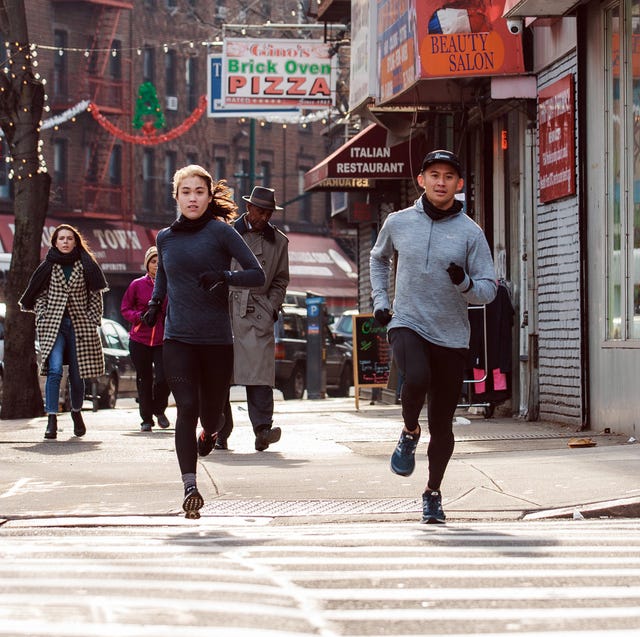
(620, 508)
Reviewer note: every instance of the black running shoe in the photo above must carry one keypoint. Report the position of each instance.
(432, 512)
(192, 502)
(206, 442)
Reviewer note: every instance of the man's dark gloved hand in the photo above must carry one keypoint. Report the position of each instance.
(383, 317)
(456, 273)
(211, 279)
(150, 317)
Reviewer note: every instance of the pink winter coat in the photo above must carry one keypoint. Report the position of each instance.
(134, 305)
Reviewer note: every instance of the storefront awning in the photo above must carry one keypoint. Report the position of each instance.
(117, 247)
(319, 265)
(537, 8)
(368, 156)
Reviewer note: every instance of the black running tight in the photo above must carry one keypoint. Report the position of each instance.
(435, 371)
(199, 377)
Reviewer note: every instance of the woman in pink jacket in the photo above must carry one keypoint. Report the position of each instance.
(145, 345)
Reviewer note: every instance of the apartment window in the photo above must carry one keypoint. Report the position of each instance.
(191, 67)
(59, 162)
(622, 157)
(5, 182)
(115, 59)
(92, 64)
(148, 64)
(171, 72)
(59, 80)
(220, 168)
(242, 175)
(305, 201)
(90, 165)
(115, 166)
(265, 169)
(192, 158)
(148, 194)
(170, 164)
(170, 4)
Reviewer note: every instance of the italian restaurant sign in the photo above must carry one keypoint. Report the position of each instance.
(263, 74)
(556, 140)
(364, 158)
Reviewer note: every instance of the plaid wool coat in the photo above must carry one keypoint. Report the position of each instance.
(85, 308)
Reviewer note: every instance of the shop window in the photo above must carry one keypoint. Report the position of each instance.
(622, 87)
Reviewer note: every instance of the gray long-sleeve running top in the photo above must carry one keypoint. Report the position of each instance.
(426, 301)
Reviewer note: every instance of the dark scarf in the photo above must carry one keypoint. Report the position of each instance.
(269, 232)
(93, 275)
(436, 214)
(182, 224)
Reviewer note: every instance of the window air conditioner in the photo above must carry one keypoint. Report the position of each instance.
(172, 103)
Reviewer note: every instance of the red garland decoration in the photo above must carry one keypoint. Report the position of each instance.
(150, 138)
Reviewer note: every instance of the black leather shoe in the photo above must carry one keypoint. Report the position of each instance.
(51, 432)
(221, 445)
(79, 428)
(266, 437)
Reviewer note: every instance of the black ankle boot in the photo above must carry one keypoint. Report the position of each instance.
(79, 428)
(51, 432)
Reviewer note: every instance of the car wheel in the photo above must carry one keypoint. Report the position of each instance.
(294, 387)
(110, 396)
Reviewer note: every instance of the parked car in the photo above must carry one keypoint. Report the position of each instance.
(291, 356)
(342, 327)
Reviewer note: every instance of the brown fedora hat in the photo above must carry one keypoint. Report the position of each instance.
(263, 198)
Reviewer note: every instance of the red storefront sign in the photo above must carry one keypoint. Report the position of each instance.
(556, 133)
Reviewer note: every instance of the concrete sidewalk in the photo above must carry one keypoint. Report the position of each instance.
(332, 462)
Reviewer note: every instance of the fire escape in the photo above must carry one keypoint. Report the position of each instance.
(103, 190)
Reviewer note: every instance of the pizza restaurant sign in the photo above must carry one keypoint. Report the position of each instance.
(263, 74)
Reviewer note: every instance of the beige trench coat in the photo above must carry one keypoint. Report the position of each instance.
(85, 309)
(254, 311)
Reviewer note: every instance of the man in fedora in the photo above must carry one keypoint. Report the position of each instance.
(255, 310)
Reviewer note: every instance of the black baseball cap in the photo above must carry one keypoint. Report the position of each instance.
(444, 156)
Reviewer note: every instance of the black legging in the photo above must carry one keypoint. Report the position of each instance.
(153, 391)
(199, 377)
(436, 371)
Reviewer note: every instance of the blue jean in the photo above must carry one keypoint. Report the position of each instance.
(64, 350)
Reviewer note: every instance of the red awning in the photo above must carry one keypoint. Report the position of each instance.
(117, 247)
(319, 265)
(368, 156)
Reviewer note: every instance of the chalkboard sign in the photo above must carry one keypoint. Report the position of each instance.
(371, 353)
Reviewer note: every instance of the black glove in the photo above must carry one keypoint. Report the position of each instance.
(456, 273)
(211, 279)
(150, 317)
(383, 317)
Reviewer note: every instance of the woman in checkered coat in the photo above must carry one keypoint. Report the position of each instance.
(65, 293)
